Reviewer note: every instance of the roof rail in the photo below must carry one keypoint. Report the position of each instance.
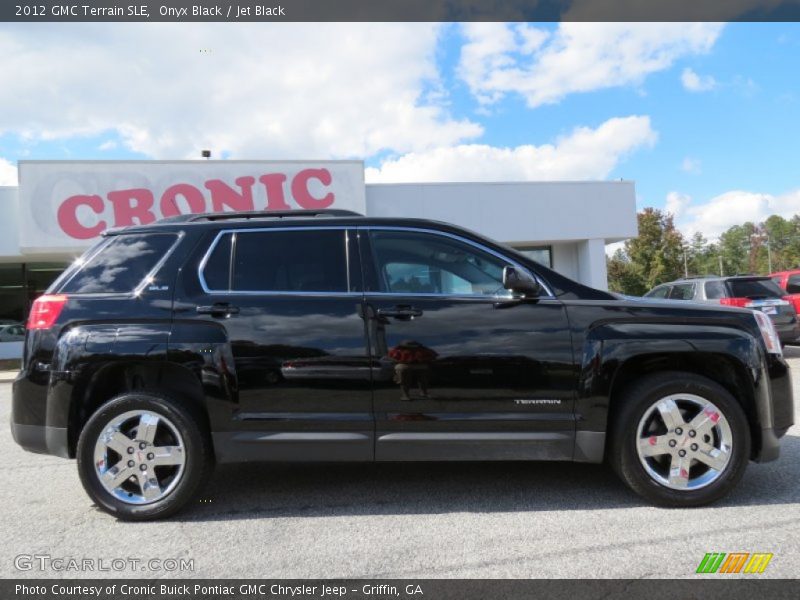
(272, 214)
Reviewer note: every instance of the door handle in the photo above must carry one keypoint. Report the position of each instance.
(400, 312)
(218, 309)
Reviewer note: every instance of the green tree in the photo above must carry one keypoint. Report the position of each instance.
(622, 277)
(656, 255)
(734, 246)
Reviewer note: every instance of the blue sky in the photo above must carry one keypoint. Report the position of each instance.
(703, 118)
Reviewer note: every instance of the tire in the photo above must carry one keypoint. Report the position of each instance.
(645, 452)
(142, 456)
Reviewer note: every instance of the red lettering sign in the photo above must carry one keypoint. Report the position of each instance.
(68, 217)
(138, 206)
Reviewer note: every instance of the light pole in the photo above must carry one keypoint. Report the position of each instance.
(769, 247)
(769, 254)
(685, 264)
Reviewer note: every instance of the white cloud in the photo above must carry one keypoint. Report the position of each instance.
(585, 153)
(691, 165)
(8, 173)
(731, 208)
(544, 67)
(677, 203)
(262, 91)
(107, 145)
(697, 83)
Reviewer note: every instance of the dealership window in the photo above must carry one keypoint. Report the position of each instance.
(541, 254)
(21, 283)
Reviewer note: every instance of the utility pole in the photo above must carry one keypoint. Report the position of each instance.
(686, 264)
(721, 274)
(769, 254)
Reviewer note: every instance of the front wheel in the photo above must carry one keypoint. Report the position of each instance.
(142, 456)
(679, 439)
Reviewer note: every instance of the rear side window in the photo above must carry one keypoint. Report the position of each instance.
(682, 291)
(659, 292)
(121, 265)
(715, 290)
(278, 261)
(793, 284)
(754, 288)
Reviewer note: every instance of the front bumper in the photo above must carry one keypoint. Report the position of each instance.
(41, 439)
(774, 407)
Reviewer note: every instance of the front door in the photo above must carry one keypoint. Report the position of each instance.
(460, 370)
(287, 305)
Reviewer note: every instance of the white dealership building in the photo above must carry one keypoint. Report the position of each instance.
(60, 208)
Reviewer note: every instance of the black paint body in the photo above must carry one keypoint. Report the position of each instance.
(365, 375)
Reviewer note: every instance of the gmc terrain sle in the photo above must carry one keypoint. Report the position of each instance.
(330, 336)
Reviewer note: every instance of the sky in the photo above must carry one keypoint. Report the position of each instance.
(704, 117)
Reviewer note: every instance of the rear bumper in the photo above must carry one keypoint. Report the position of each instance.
(788, 333)
(33, 426)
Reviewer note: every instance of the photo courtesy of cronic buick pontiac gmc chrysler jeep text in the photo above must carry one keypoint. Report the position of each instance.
(329, 336)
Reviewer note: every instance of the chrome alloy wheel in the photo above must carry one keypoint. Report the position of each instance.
(684, 442)
(139, 457)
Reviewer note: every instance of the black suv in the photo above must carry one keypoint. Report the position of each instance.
(328, 336)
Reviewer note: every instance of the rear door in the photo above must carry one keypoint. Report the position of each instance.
(460, 372)
(286, 306)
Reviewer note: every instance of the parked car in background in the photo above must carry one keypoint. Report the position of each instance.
(744, 291)
(14, 332)
(789, 282)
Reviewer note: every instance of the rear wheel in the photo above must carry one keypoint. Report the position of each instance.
(680, 439)
(142, 456)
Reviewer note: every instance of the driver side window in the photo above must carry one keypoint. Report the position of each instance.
(412, 262)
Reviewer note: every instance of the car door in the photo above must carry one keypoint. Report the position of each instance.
(287, 304)
(460, 370)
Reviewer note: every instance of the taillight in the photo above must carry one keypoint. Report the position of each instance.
(45, 311)
(771, 340)
(740, 302)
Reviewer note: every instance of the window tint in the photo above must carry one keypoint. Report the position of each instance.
(793, 284)
(121, 265)
(218, 266)
(715, 290)
(682, 291)
(279, 261)
(659, 292)
(425, 263)
(754, 288)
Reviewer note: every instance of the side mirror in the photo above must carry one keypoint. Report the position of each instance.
(522, 282)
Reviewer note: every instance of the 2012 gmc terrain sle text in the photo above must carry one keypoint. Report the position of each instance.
(329, 336)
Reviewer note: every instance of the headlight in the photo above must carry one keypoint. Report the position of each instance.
(768, 333)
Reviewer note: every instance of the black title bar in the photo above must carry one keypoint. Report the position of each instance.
(398, 10)
(397, 589)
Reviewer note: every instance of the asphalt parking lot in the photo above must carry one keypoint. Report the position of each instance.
(515, 520)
